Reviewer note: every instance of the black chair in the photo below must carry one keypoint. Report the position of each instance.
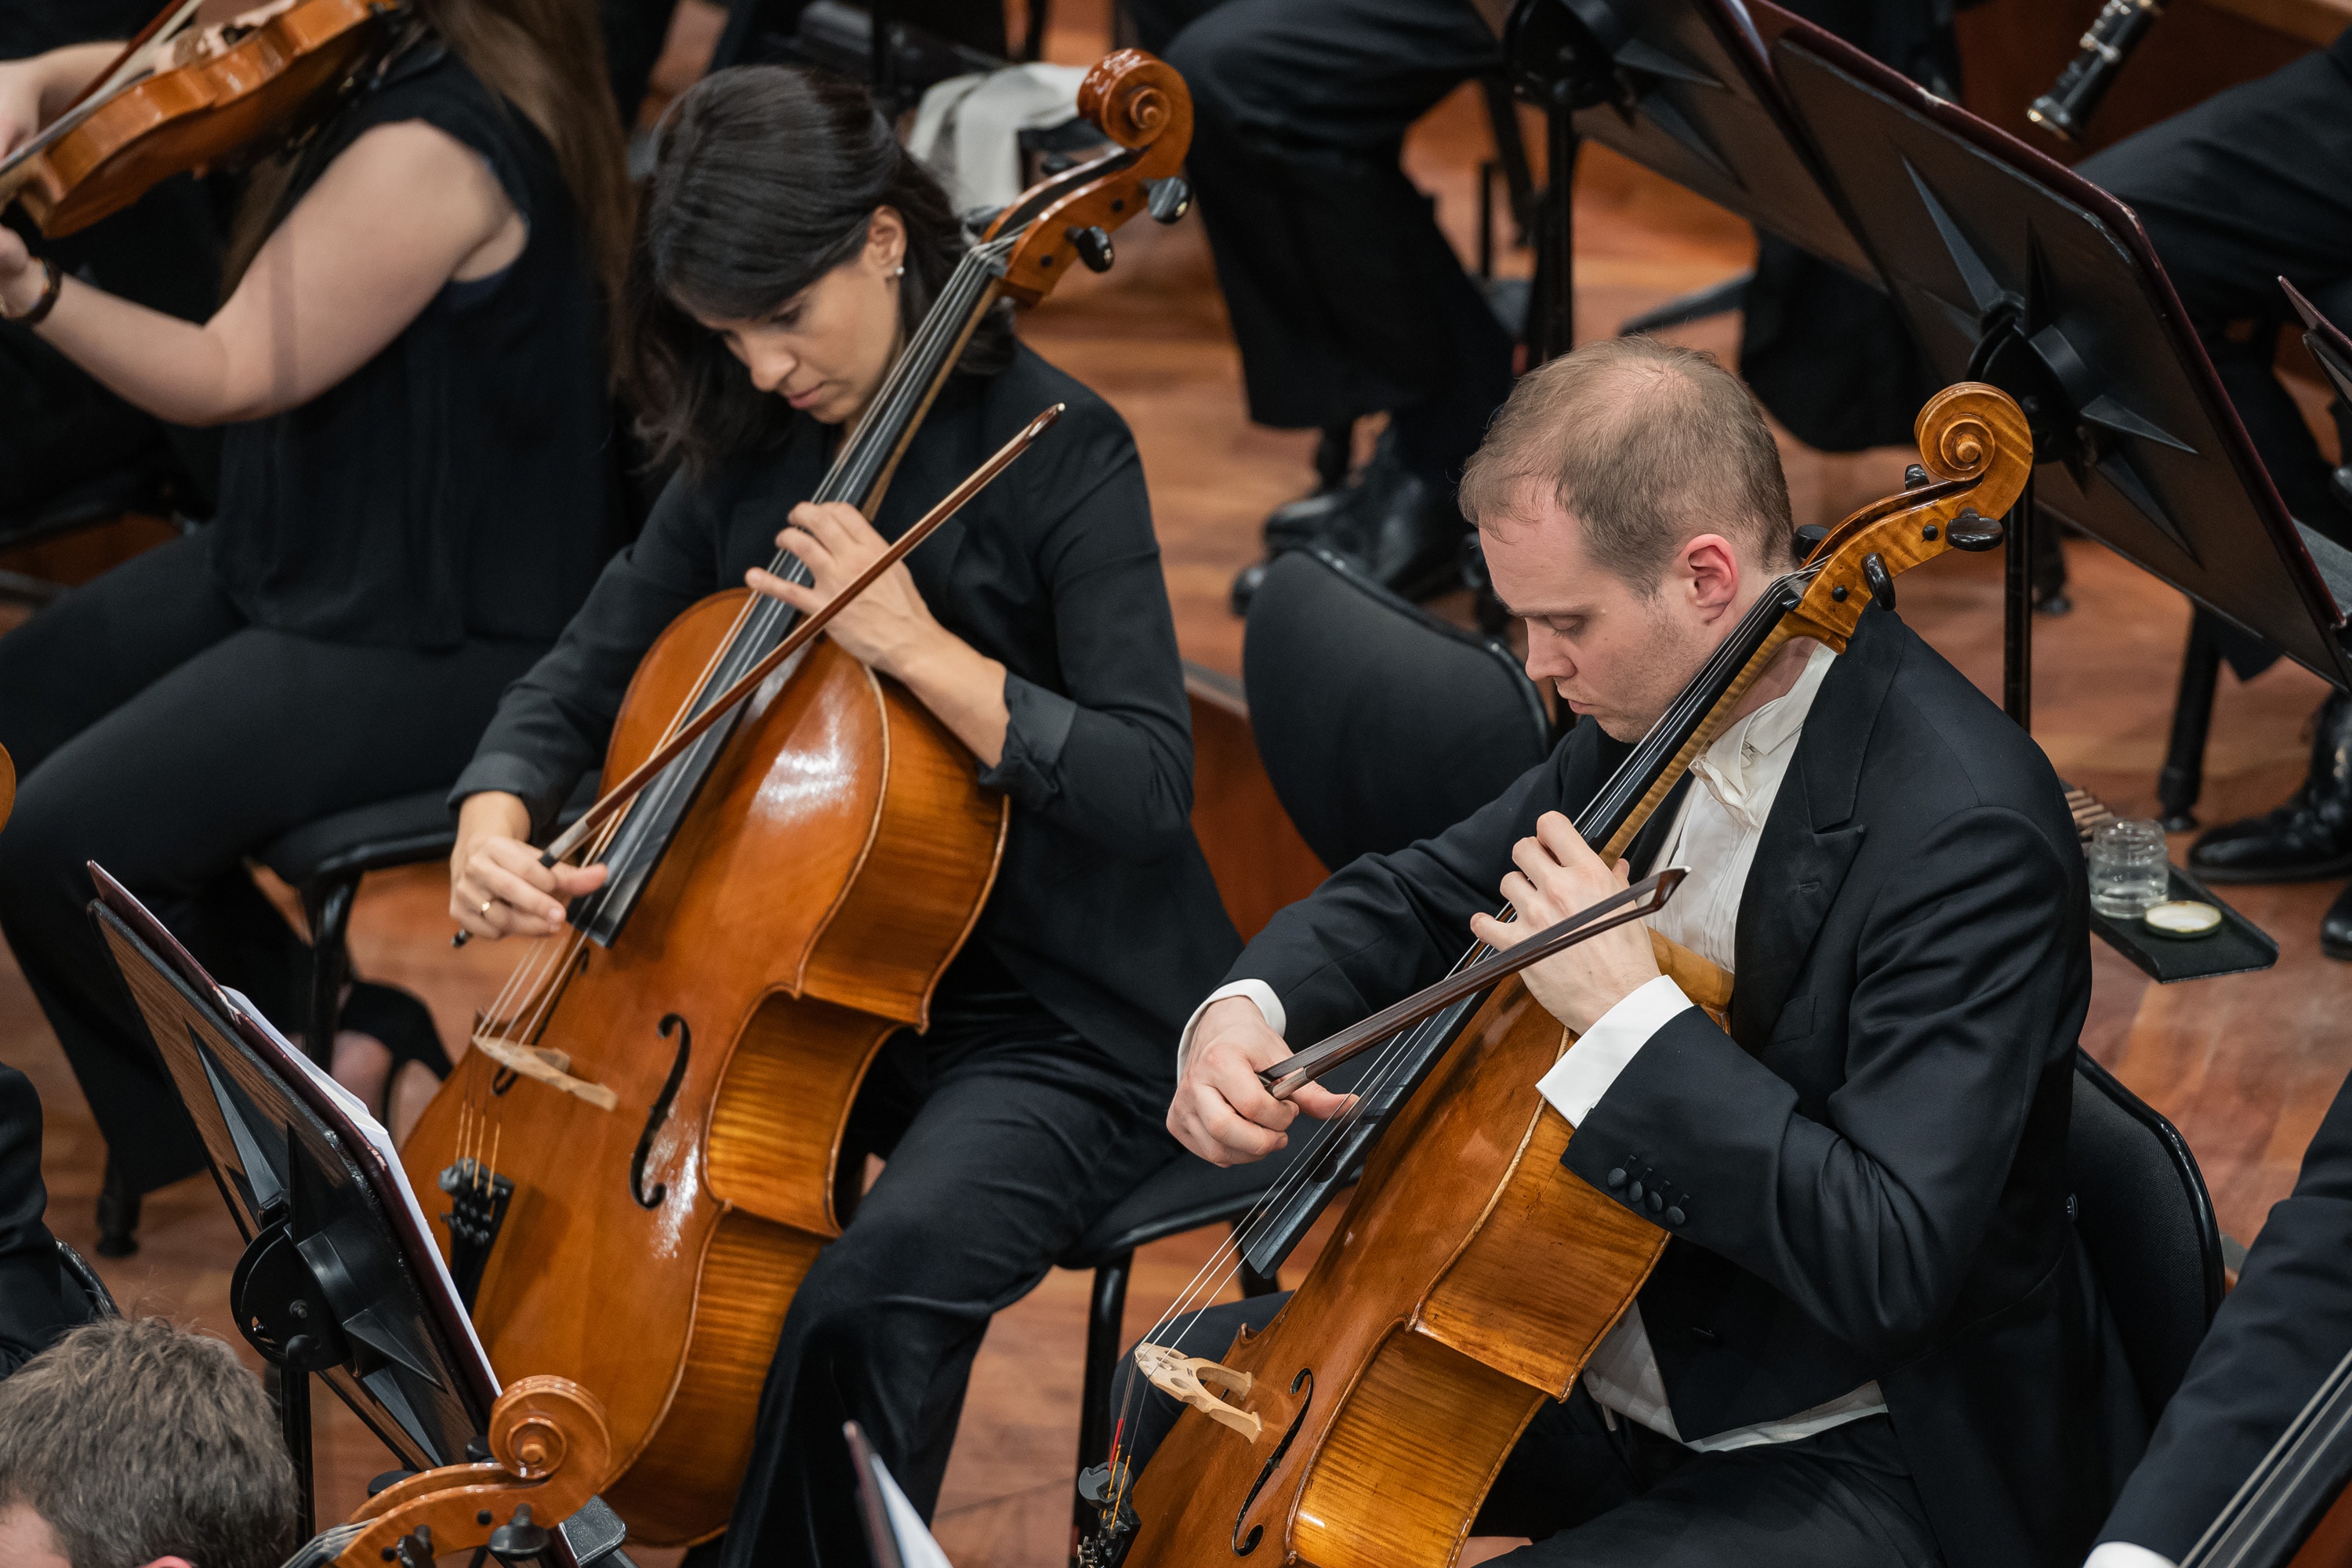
(1379, 723)
(2141, 1209)
(324, 862)
(77, 1269)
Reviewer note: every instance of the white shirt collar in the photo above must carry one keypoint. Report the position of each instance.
(1744, 768)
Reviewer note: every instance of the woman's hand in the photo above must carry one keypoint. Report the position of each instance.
(21, 278)
(1558, 874)
(21, 83)
(497, 886)
(889, 626)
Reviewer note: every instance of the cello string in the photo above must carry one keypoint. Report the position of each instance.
(907, 381)
(1633, 777)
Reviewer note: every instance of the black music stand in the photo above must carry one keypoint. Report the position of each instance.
(340, 1276)
(2011, 268)
(1680, 86)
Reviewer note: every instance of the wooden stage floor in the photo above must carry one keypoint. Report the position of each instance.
(2244, 1065)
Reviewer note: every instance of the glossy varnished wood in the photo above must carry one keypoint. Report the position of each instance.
(1471, 1276)
(835, 861)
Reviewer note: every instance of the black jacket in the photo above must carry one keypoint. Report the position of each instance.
(2276, 1337)
(1869, 1166)
(1103, 908)
(38, 1302)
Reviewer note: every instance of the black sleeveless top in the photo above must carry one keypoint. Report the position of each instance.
(460, 484)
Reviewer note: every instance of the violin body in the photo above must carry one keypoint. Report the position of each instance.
(192, 117)
(833, 864)
(1470, 1280)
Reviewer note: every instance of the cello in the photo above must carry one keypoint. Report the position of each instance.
(183, 98)
(1472, 1275)
(642, 1149)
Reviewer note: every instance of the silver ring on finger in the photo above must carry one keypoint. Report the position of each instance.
(486, 907)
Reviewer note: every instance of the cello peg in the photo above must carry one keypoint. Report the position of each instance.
(1093, 248)
(1170, 198)
(1974, 533)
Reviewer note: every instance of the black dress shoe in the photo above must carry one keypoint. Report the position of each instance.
(1401, 527)
(2307, 839)
(2336, 926)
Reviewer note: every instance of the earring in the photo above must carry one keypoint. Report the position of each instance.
(899, 271)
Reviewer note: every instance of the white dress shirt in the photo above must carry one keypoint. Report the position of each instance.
(2124, 1554)
(1713, 838)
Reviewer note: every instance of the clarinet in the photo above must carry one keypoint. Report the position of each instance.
(2115, 33)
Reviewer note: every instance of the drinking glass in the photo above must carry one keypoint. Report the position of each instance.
(2129, 869)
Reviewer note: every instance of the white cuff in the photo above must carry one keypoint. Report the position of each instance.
(2124, 1554)
(1579, 1079)
(1258, 991)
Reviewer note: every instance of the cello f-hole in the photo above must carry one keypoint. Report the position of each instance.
(659, 1114)
(1245, 1545)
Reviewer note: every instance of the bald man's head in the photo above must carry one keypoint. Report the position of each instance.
(1646, 445)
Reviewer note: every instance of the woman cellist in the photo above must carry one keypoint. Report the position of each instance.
(415, 495)
(787, 247)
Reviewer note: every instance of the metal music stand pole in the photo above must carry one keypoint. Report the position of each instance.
(2017, 611)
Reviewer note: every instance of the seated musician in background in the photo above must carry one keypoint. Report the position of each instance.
(787, 248)
(38, 1300)
(415, 495)
(1868, 1339)
(1347, 299)
(133, 1444)
(2279, 1333)
(2234, 194)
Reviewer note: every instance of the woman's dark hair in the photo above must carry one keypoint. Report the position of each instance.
(764, 180)
(546, 59)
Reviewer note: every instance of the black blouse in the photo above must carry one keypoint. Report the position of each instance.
(460, 484)
(1103, 907)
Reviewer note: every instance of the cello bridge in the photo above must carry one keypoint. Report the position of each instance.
(1188, 1378)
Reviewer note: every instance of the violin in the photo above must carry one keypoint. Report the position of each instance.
(643, 1146)
(1473, 1274)
(183, 98)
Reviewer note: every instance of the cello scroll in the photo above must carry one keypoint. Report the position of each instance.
(550, 1451)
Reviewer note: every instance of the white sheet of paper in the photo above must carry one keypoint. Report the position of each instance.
(379, 1144)
(917, 1549)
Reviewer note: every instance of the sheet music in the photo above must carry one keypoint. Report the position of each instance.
(379, 1144)
(916, 1548)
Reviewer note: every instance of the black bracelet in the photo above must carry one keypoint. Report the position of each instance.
(55, 281)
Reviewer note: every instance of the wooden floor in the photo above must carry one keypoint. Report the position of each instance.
(2246, 1066)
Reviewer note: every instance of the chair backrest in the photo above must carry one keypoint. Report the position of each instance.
(80, 1275)
(2145, 1219)
(1378, 722)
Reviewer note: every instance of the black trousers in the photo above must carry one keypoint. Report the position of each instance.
(1005, 1137)
(1595, 1490)
(1344, 298)
(2244, 188)
(159, 734)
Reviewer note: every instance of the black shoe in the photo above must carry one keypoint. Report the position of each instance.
(1401, 527)
(2307, 839)
(2336, 926)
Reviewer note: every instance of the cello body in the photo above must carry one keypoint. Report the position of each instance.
(834, 862)
(1471, 1279)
